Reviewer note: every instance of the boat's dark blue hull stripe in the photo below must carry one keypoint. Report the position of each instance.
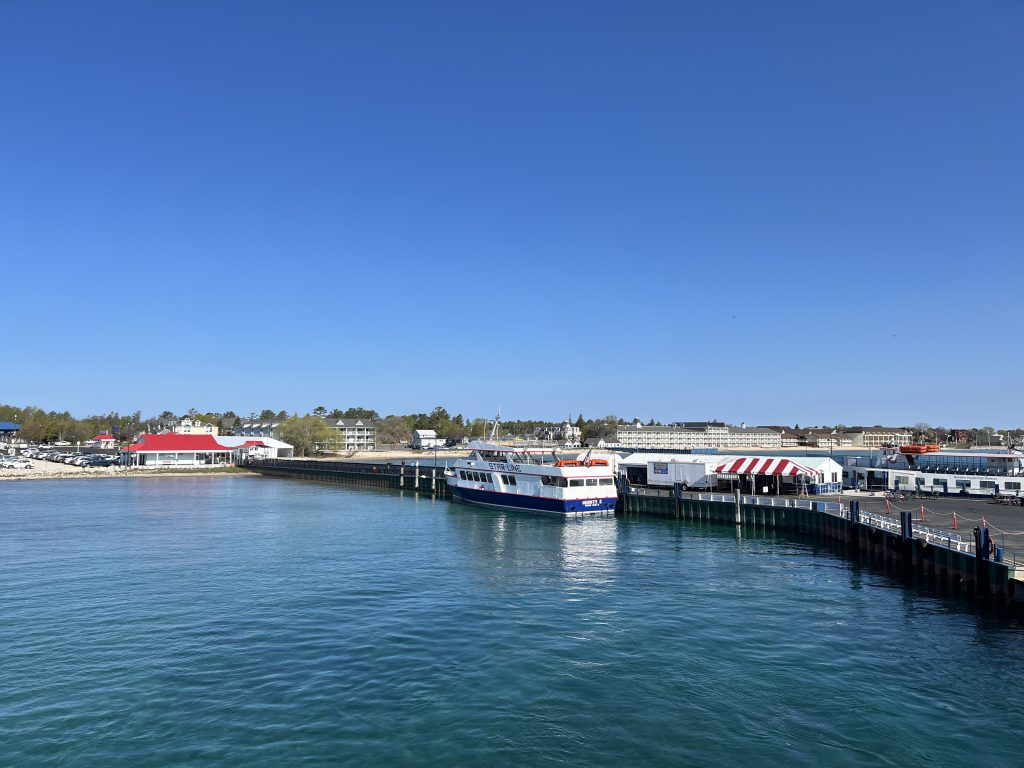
(533, 503)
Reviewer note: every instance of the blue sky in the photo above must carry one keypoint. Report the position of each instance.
(763, 212)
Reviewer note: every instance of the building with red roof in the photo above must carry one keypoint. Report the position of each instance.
(173, 450)
(103, 441)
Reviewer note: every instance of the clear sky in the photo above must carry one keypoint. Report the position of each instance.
(770, 212)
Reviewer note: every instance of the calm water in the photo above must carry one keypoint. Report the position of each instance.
(251, 622)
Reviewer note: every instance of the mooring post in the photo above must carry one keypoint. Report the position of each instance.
(401, 475)
(739, 519)
(855, 523)
(981, 566)
(908, 541)
(416, 482)
(433, 480)
(677, 489)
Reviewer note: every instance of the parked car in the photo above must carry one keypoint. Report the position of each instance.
(13, 462)
(100, 460)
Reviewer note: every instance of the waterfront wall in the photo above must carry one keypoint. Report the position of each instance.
(395, 476)
(938, 559)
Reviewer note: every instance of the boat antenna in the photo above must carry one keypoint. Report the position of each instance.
(494, 429)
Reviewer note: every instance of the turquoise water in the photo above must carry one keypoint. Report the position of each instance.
(257, 622)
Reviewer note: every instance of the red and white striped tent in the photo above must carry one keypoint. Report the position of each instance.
(762, 465)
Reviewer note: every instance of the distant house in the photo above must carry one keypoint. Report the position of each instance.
(427, 438)
(600, 442)
(103, 441)
(8, 429)
(188, 426)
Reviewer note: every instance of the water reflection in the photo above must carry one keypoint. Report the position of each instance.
(578, 548)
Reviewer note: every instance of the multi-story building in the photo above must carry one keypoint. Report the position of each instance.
(791, 437)
(877, 437)
(351, 435)
(828, 438)
(257, 428)
(694, 435)
(189, 426)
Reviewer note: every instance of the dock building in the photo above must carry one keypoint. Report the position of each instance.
(172, 450)
(759, 475)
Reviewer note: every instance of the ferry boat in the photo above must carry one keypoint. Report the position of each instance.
(535, 480)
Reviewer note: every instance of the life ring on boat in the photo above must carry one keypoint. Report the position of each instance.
(567, 463)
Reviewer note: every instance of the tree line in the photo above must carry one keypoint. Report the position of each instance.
(41, 426)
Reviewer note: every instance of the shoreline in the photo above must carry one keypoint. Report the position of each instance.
(8, 475)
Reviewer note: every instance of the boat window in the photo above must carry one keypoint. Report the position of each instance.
(607, 481)
(562, 482)
(547, 480)
(462, 474)
(574, 483)
(591, 481)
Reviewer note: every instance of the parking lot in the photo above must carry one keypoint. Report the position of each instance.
(56, 466)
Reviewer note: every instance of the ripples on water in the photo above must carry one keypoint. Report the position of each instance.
(241, 621)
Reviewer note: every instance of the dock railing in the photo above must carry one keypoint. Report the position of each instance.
(933, 536)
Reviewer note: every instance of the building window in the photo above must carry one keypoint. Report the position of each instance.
(963, 483)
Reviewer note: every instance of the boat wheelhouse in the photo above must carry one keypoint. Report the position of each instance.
(535, 480)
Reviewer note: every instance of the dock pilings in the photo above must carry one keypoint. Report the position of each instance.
(922, 556)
